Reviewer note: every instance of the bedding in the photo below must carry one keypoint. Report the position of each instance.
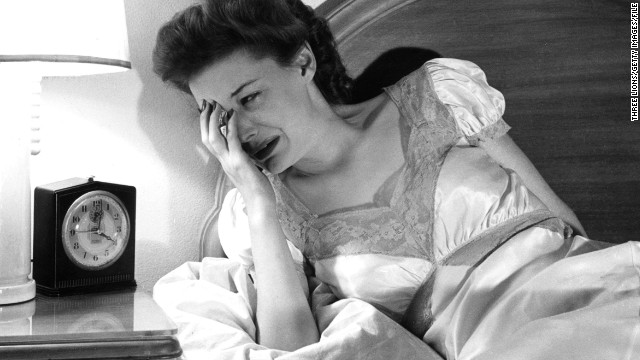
(509, 307)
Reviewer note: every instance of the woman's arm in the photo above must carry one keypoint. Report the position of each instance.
(505, 151)
(284, 318)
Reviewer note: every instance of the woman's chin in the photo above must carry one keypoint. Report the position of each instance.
(273, 166)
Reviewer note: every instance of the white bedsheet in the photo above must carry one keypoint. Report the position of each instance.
(213, 304)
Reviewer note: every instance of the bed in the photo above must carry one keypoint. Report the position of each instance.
(563, 67)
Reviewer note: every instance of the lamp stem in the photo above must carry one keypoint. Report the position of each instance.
(15, 192)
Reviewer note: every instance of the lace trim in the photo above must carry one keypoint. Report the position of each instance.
(373, 231)
(489, 132)
(434, 133)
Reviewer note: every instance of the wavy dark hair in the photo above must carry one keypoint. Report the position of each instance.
(201, 34)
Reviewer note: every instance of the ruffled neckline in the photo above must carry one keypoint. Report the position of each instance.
(302, 209)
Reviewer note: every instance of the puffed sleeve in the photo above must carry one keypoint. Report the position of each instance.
(476, 107)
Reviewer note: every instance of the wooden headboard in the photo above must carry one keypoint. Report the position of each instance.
(562, 65)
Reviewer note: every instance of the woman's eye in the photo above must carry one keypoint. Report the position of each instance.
(249, 98)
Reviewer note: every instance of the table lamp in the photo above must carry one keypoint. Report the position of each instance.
(42, 38)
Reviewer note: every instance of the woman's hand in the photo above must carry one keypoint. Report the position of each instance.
(242, 172)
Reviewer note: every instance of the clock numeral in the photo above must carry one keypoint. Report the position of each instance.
(72, 232)
(76, 246)
(83, 208)
(97, 203)
(76, 219)
(95, 257)
(116, 216)
(85, 255)
(107, 206)
(106, 253)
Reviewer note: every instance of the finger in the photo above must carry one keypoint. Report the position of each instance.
(204, 123)
(216, 140)
(233, 138)
(206, 115)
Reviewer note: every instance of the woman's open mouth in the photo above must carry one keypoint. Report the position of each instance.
(266, 150)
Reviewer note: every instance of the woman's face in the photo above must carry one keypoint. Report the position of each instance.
(271, 102)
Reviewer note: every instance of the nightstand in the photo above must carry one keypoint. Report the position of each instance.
(109, 325)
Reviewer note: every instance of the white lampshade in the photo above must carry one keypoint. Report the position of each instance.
(63, 37)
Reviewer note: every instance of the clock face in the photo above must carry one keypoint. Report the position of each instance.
(95, 230)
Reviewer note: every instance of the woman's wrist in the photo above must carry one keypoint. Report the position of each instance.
(260, 205)
(257, 194)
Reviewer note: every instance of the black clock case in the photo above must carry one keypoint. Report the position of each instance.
(53, 271)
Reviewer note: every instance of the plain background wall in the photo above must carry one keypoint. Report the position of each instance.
(130, 128)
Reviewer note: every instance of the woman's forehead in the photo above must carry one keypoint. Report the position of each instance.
(218, 84)
(223, 77)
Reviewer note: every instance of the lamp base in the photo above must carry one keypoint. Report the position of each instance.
(12, 294)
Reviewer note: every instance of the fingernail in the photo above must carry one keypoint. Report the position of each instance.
(204, 105)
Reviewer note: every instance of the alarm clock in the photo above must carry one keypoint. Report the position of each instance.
(83, 236)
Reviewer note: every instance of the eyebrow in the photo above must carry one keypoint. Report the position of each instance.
(237, 91)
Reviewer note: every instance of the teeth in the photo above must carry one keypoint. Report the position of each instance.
(263, 148)
(260, 149)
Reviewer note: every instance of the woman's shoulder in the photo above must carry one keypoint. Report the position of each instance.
(432, 72)
(429, 82)
(462, 87)
(417, 99)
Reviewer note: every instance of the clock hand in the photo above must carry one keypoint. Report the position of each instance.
(105, 236)
(100, 219)
(88, 231)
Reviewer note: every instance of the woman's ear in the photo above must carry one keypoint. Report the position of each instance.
(305, 61)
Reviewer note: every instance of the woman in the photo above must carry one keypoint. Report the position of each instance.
(412, 194)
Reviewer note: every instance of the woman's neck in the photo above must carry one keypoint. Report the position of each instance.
(340, 131)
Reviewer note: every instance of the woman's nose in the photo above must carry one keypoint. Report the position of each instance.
(246, 129)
